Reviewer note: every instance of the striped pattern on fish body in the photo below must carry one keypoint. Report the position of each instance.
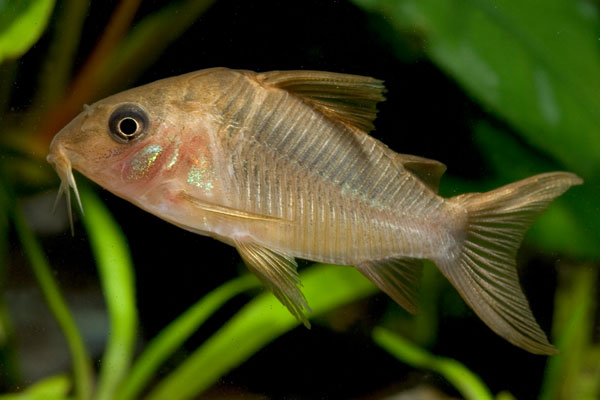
(280, 165)
(346, 199)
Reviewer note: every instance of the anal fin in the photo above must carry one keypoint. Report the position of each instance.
(397, 277)
(278, 273)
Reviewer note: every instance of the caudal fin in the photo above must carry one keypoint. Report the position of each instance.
(484, 270)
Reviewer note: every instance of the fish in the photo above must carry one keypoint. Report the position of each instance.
(281, 165)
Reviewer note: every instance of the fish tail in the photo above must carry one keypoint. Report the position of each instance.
(483, 267)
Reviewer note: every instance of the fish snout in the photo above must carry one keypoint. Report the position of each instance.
(58, 157)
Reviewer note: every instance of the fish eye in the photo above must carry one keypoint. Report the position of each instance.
(127, 123)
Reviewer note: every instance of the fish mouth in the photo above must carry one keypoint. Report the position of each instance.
(60, 161)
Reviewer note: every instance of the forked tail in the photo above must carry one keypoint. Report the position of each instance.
(484, 270)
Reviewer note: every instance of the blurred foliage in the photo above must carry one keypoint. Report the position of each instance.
(575, 373)
(533, 67)
(52, 388)
(21, 25)
(511, 56)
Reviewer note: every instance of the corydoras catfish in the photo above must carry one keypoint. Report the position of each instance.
(280, 165)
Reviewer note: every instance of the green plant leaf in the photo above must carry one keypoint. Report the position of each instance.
(575, 372)
(534, 63)
(21, 25)
(57, 304)
(257, 324)
(52, 388)
(115, 268)
(465, 381)
(177, 332)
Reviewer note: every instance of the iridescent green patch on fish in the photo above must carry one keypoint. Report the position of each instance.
(201, 175)
(143, 161)
(175, 153)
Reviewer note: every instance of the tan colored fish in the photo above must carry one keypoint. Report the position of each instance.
(280, 165)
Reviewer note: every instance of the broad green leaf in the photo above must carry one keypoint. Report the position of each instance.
(465, 381)
(21, 25)
(535, 63)
(116, 274)
(257, 324)
(177, 332)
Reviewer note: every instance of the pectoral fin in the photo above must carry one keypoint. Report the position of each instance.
(278, 273)
(397, 277)
(226, 211)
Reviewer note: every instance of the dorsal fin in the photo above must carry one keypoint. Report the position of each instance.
(428, 171)
(350, 99)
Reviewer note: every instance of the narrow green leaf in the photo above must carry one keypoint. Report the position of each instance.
(52, 388)
(257, 324)
(465, 381)
(575, 304)
(58, 385)
(534, 63)
(115, 268)
(177, 332)
(21, 25)
(57, 304)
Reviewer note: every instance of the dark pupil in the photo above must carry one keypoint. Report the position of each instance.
(127, 123)
(128, 126)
